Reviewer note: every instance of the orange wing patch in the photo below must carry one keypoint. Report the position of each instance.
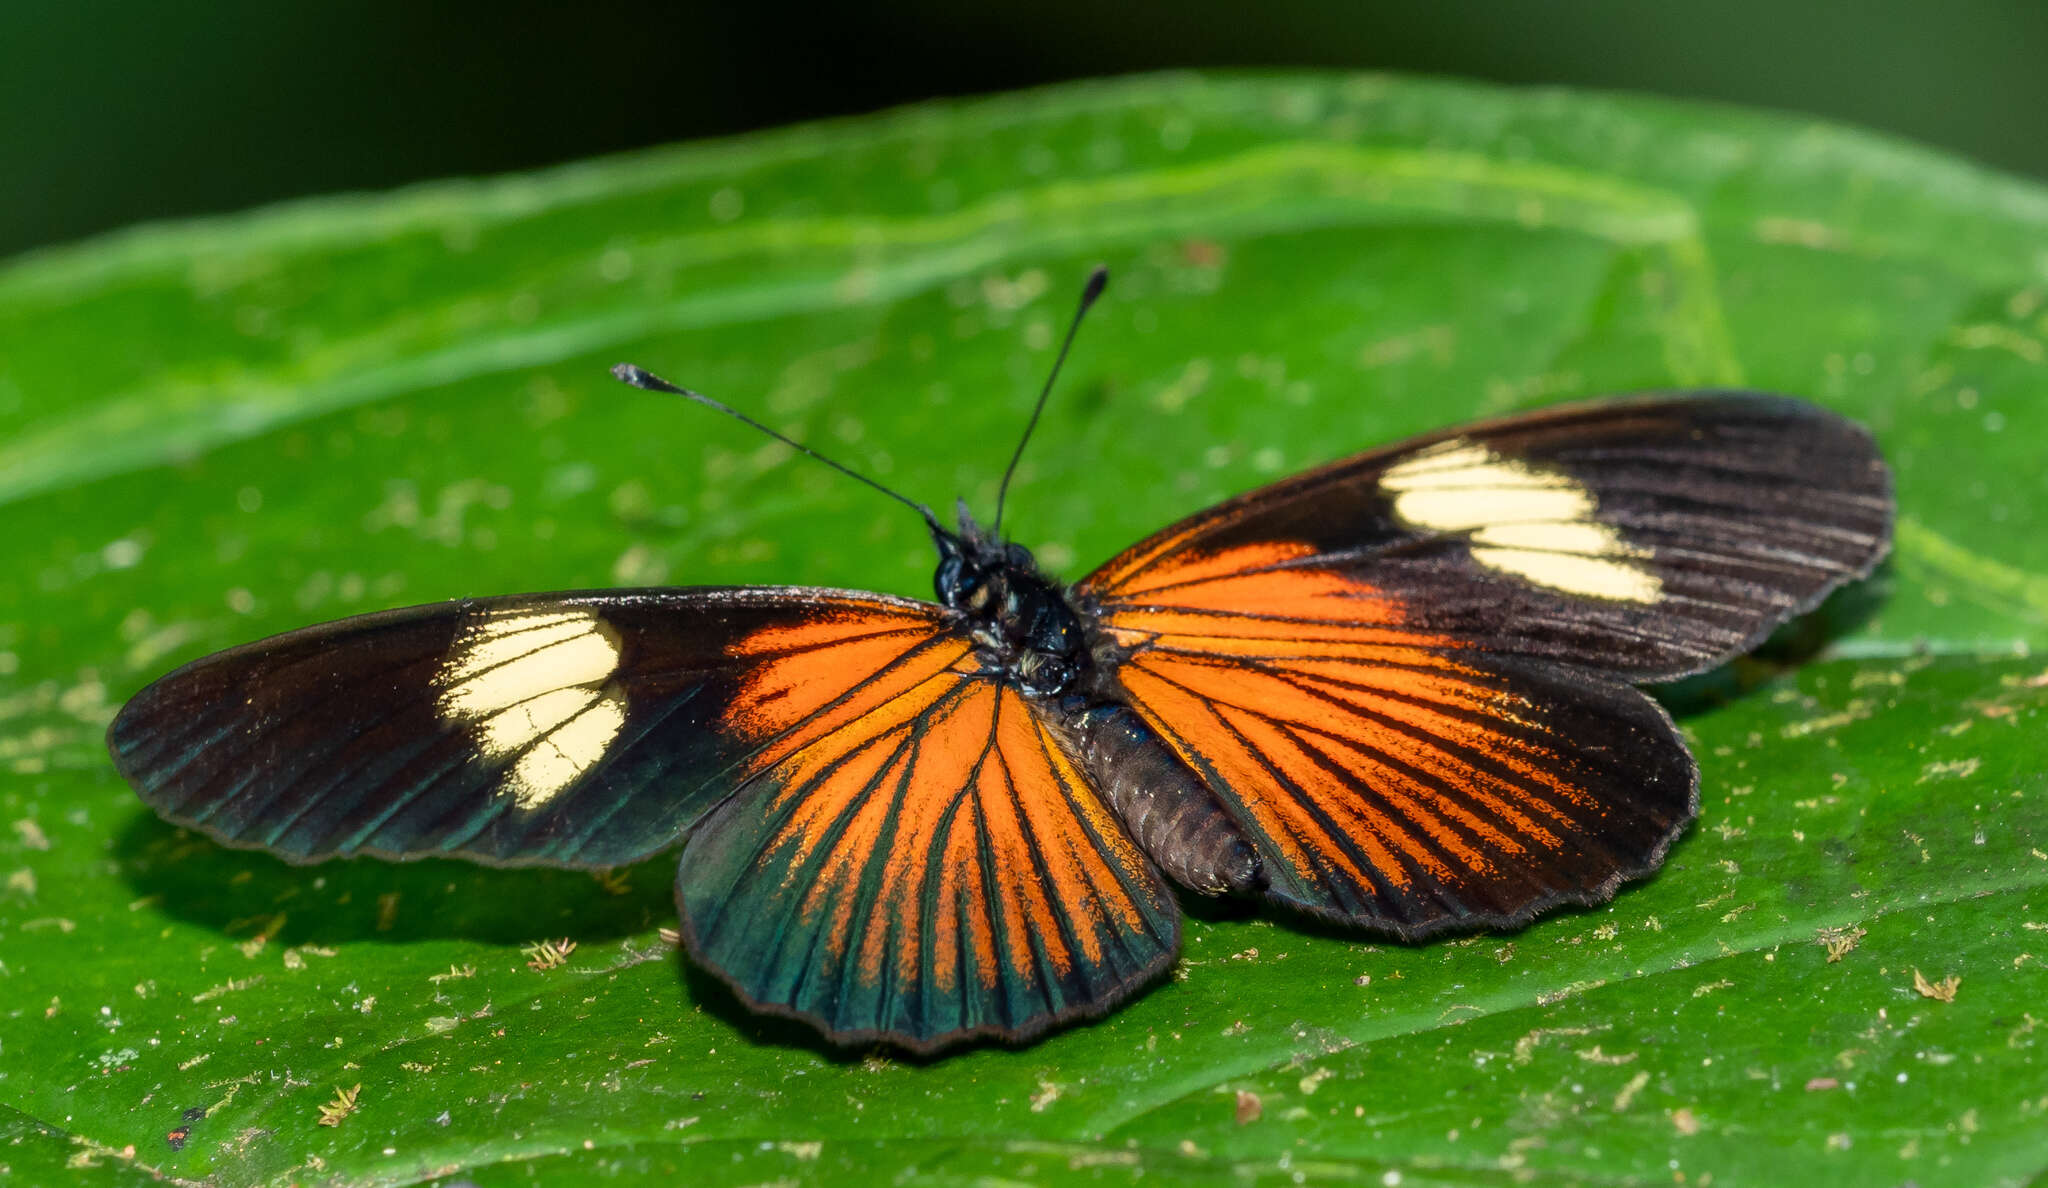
(911, 852)
(1247, 599)
(831, 670)
(1387, 775)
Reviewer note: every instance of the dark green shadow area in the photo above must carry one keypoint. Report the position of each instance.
(239, 894)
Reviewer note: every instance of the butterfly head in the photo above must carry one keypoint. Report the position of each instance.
(1027, 630)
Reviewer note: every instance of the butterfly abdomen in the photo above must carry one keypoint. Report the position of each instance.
(1179, 824)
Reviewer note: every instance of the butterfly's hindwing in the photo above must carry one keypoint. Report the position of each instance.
(912, 854)
(1421, 792)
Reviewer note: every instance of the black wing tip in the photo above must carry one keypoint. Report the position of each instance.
(1859, 449)
(123, 734)
(1757, 402)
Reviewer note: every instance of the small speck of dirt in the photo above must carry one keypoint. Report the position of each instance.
(1249, 1107)
(1840, 942)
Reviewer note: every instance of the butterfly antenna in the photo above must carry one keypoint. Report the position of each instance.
(1093, 289)
(639, 377)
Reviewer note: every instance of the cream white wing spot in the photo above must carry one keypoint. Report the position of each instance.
(1533, 522)
(534, 687)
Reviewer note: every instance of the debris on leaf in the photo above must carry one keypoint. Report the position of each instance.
(1525, 1047)
(1627, 1096)
(344, 1104)
(548, 954)
(228, 987)
(1840, 942)
(1942, 991)
(1629, 1092)
(1549, 997)
(1249, 1107)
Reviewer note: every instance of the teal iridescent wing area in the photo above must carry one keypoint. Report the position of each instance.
(573, 730)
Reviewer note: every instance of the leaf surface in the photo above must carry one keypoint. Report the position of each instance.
(214, 431)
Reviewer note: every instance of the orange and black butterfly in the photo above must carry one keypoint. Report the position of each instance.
(1396, 692)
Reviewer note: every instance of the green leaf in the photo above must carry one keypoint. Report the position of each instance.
(213, 431)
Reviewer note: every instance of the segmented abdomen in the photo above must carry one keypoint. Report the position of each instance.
(1171, 814)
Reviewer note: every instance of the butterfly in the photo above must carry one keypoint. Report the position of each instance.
(1397, 692)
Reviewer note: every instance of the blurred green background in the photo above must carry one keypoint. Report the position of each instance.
(117, 112)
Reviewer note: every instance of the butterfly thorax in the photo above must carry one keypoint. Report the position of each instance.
(1026, 630)
(1028, 633)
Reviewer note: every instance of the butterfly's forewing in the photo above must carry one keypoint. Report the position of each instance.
(1645, 538)
(914, 856)
(1405, 673)
(566, 729)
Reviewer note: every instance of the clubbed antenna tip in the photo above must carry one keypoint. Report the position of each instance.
(626, 373)
(1098, 280)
